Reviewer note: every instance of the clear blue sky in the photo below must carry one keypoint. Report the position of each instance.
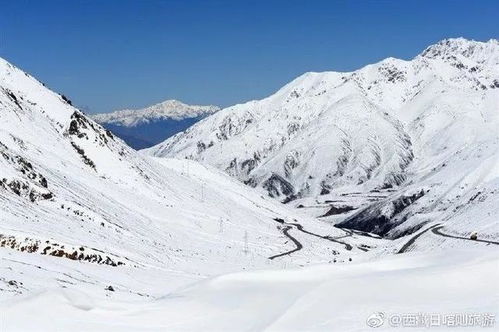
(112, 54)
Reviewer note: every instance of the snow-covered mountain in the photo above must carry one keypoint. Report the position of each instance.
(169, 109)
(96, 236)
(80, 209)
(148, 126)
(417, 141)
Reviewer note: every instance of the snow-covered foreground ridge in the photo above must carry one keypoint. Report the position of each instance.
(169, 109)
(422, 134)
(448, 290)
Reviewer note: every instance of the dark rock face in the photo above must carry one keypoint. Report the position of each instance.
(30, 183)
(67, 100)
(334, 210)
(13, 97)
(80, 125)
(277, 186)
(51, 248)
(84, 157)
(248, 165)
(81, 128)
(380, 218)
(232, 126)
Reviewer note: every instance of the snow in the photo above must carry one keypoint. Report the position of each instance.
(184, 246)
(394, 128)
(316, 298)
(75, 197)
(168, 109)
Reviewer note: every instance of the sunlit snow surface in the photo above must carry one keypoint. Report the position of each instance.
(316, 298)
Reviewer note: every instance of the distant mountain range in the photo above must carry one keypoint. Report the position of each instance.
(146, 127)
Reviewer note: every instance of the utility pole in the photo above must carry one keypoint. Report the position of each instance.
(245, 242)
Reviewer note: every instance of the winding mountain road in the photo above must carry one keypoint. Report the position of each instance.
(299, 246)
(436, 229)
(324, 237)
(297, 243)
(413, 239)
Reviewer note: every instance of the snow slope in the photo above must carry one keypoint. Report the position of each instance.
(149, 126)
(420, 135)
(402, 292)
(80, 209)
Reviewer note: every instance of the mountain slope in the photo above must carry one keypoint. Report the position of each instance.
(145, 127)
(361, 296)
(422, 134)
(80, 209)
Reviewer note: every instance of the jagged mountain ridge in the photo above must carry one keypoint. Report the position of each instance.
(389, 125)
(146, 127)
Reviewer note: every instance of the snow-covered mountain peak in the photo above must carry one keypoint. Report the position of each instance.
(168, 109)
(149, 126)
(476, 50)
(392, 124)
(389, 83)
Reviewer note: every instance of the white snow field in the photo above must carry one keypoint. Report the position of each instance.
(95, 236)
(447, 289)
